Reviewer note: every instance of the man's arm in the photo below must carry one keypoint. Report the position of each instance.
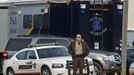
(70, 49)
(87, 49)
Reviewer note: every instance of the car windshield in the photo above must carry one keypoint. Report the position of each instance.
(52, 52)
(130, 53)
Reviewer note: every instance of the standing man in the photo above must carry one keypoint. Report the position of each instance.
(78, 50)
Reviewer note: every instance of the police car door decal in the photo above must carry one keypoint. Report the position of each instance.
(28, 64)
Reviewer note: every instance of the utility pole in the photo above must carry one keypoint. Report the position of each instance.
(124, 37)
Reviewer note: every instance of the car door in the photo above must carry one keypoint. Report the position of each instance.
(27, 62)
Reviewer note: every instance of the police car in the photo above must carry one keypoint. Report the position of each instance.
(41, 60)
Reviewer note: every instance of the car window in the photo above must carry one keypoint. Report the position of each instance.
(21, 55)
(57, 41)
(52, 52)
(31, 54)
(130, 53)
(17, 44)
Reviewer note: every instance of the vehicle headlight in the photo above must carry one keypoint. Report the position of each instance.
(90, 62)
(132, 66)
(57, 65)
(108, 58)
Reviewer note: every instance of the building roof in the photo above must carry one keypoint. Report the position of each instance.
(55, 1)
(25, 2)
(4, 4)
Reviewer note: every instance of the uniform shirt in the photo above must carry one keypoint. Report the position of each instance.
(78, 48)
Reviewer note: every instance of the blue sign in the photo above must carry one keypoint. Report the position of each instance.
(83, 11)
(120, 12)
(97, 25)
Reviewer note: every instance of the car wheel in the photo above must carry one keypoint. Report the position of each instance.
(45, 71)
(98, 68)
(10, 72)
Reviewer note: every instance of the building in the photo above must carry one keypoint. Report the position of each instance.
(25, 18)
(11, 19)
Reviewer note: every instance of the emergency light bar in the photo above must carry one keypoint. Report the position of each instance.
(43, 44)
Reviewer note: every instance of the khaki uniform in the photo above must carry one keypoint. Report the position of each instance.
(78, 60)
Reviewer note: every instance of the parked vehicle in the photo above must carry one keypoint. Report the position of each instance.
(104, 61)
(130, 58)
(17, 43)
(42, 60)
(131, 69)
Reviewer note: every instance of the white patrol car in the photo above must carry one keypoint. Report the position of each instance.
(43, 60)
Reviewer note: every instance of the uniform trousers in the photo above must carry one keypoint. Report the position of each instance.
(78, 63)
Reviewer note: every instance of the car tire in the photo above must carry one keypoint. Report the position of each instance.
(45, 71)
(10, 71)
(98, 68)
